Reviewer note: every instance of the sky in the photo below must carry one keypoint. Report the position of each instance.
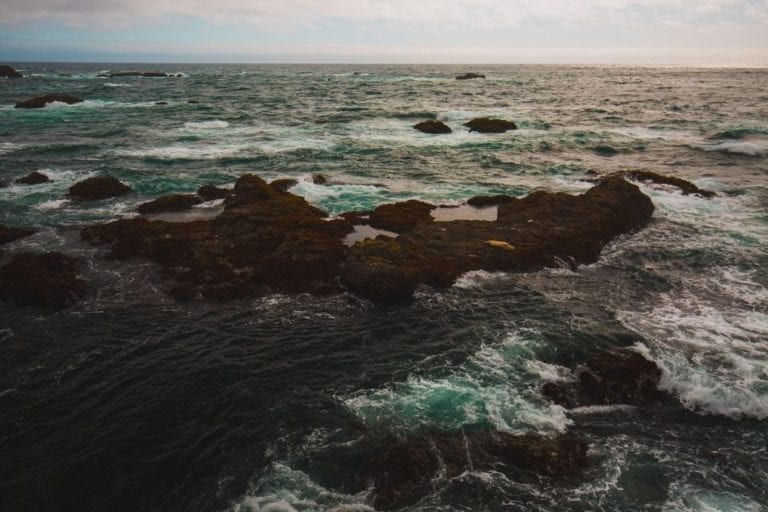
(687, 32)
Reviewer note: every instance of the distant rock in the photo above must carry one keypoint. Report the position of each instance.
(8, 234)
(33, 178)
(98, 187)
(469, 76)
(433, 127)
(9, 72)
(488, 125)
(48, 280)
(685, 186)
(484, 201)
(211, 192)
(170, 203)
(284, 184)
(42, 101)
(409, 470)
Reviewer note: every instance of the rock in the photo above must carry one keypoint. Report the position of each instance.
(9, 72)
(211, 192)
(434, 127)
(685, 186)
(401, 217)
(193, 102)
(264, 241)
(159, 103)
(184, 292)
(610, 377)
(8, 234)
(487, 125)
(483, 201)
(544, 228)
(42, 101)
(409, 470)
(33, 178)
(469, 76)
(319, 179)
(98, 187)
(170, 203)
(284, 184)
(48, 280)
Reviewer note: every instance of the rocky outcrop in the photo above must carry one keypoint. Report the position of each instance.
(48, 280)
(97, 188)
(42, 101)
(401, 217)
(171, 203)
(319, 179)
(488, 125)
(9, 72)
(469, 76)
(211, 192)
(409, 470)
(485, 201)
(685, 186)
(33, 178)
(284, 184)
(8, 234)
(433, 127)
(544, 229)
(264, 241)
(610, 377)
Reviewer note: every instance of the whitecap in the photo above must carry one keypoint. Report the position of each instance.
(206, 125)
(754, 147)
(110, 84)
(689, 498)
(53, 204)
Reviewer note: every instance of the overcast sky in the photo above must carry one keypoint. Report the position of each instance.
(710, 32)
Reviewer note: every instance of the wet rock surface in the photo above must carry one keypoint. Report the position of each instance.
(488, 125)
(170, 203)
(10, 234)
(401, 217)
(47, 280)
(42, 101)
(408, 470)
(685, 186)
(484, 201)
(9, 72)
(211, 192)
(33, 178)
(98, 187)
(434, 127)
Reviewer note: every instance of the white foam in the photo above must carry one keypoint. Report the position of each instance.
(206, 125)
(110, 84)
(53, 204)
(478, 278)
(689, 498)
(602, 409)
(9, 147)
(756, 147)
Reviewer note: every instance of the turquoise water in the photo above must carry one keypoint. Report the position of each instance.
(129, 401)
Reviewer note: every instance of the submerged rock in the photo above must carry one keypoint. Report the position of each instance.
(685, 186)
(211, 192)
(409, 470)
(171, 203)
(545, 229)
(434, 127)
(487, 125)
(469, 76)
(9, 72)
(33, 178)
(98, 187)
(605, 151)
(284, 184)
(319, 179)
(610, 377)
(42, 101)
(8, 234)
(48, 280)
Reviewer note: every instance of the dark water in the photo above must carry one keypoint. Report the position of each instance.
(130, 402)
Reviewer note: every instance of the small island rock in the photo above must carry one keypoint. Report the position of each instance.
(42, 101)
(98, 187)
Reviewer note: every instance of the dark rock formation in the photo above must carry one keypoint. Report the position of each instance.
(170, 203)
(487, 125)
(160, 103)
(319, 179)
(98, 187)
(685, 186)
(211, 192)
(434, 127)
(33, 178)
(540, 230)
(401, 217)
(615, 377)
(469, 76)
(264, 241)
(483, 201)
(42, 101)
(408, 470)
(48, 280)
(9, 72)
(283, 185)
(8, 234)
(193, 102)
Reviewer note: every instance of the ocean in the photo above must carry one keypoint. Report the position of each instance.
(130, 401)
